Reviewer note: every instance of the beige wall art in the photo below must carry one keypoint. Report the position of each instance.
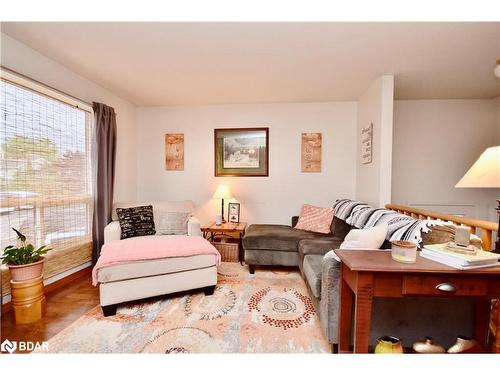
(311, 152)
(367, 144)
(174, 152)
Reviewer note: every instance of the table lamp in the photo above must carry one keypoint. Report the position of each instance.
(222, 192)
(485, 173)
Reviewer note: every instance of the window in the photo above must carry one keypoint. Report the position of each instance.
(45, 171)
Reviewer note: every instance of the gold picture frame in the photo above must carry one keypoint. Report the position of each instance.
(241, 152)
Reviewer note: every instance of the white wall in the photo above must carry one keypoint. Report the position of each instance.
(272, 199)
(452, 133)
(435, 143)
(498, 120)
(373, 180)
(23, 59)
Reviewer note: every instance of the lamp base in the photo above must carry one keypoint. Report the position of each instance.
(222, 212)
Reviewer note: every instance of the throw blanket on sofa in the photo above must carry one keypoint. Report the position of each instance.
(361, 215)
(152, 247)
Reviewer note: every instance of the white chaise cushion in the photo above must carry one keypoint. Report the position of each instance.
(154, 267)
(158, 207)
(144, 287)
(112, 231)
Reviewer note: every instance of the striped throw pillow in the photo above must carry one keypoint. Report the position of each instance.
(315, 219)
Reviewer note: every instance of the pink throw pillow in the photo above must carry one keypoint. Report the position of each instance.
(315, 219)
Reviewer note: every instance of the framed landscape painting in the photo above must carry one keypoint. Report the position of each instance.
(241, 152)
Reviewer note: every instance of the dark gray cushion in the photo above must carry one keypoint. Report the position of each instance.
(272, 258)
(276, 237)
(340, 228)
(312, 272)
(386, 245)
(319, 246)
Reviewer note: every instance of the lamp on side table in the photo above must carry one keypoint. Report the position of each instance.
(222, 192)
(485, 173)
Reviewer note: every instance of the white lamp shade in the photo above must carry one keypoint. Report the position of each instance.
(222, 192)
(485, 172)
(497, 69)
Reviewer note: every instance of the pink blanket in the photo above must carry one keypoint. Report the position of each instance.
(151, 247)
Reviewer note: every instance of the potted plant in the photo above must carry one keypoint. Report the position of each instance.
(24, 262)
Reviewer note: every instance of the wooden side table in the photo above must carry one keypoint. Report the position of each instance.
(367, 274)
(235, 230)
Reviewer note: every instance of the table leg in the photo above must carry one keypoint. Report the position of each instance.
(240, 249)
(363, 312)
(481, 321)
(345, 315)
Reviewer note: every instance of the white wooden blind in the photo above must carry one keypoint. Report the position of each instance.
(45, 169)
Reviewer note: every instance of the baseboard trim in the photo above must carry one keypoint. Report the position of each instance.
(55, 285)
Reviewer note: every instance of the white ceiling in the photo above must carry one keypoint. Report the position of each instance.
(214, 63)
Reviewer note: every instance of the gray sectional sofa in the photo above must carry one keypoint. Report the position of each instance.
(278, 245)
(411, 319)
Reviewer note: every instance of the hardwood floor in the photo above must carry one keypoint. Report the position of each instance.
(64, 305)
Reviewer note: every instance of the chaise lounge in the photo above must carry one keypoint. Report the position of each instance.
(145, 278)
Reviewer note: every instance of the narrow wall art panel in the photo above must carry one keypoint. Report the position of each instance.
(174, 152)
(367, 144)
(311, 152)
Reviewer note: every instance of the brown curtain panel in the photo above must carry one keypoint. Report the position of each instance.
(104, 151)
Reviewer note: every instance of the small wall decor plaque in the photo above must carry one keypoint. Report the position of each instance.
(174, 152)
(367, 144)
(311, 152)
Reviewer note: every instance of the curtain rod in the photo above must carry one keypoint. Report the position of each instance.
(44, 85)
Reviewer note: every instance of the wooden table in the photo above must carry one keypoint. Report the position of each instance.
(211, 230)
(367, 274)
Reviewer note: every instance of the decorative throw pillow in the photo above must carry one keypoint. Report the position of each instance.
(340, 228)
(315, 219)
(172, 223)
(371, 238)
(136, 221)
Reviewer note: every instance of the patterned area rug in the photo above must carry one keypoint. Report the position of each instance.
(269, 312)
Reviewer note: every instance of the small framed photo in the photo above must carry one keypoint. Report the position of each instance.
(234, 212)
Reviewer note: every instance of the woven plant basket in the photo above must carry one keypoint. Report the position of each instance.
(228, 251)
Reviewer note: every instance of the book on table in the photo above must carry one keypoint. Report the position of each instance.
(440, 253)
